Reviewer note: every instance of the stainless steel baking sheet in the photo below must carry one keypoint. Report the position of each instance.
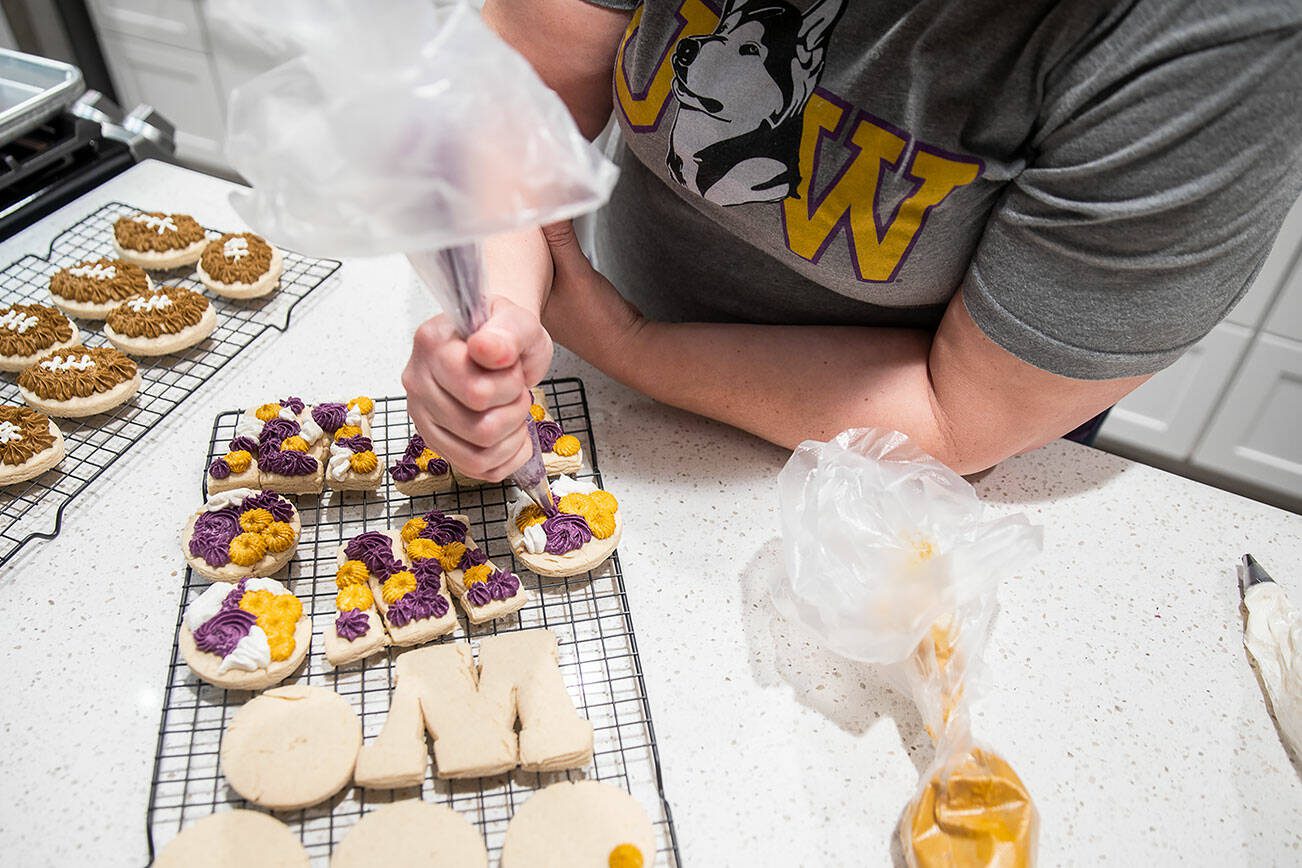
(32, 89)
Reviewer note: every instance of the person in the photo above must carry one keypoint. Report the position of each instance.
(975, 222)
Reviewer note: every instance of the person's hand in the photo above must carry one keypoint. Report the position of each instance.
(470, 399)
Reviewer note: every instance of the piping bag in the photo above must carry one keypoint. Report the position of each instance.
(1273, 636)
(402, 126)
(890, 559)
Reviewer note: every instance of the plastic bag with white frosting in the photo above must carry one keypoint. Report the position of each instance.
(401, 125)
(891, 559)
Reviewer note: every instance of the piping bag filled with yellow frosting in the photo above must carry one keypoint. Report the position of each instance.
(891, 559)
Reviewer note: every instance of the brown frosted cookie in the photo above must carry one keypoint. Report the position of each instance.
(30, 444)
(156, 240)
(240, 265)
(29, 331)
(162, 321)
(92, 288)
(77, 382)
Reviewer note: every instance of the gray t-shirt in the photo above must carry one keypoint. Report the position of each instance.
(1100, 180)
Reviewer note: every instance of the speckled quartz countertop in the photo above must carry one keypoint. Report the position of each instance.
(1119, 686)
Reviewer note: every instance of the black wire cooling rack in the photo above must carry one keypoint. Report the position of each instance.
(589, 614)
(34, 509)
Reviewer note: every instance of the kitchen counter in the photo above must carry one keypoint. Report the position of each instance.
(1119, 688)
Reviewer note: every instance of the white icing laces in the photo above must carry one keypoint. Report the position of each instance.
(236, 248)
(94, 270)
(67, 363)
(159, 224)
(17, 322)
(154, 302)
(9, 432)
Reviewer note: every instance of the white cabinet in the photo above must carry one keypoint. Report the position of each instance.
(1257, 431)
(1165, 415)
(171, 22)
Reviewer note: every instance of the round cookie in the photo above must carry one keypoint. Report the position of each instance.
(291, 747)
(77, 382)
(30, 444)
(231, 538)
(579, 824)
(413, 834)
(158, 241)
(234, 839)
(93, 288)
(599, 527)
(161, 321)
(29, 331)
(236, 638)
(240, 265)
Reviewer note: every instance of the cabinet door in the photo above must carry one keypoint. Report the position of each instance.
(176, 81)
(1257, 431)
(1286, 251)
(171, 22)
(1286, 316)
(1165, 415)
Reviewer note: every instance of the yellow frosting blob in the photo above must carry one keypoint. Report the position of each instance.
(576, 503)
(256, 520)
(293, 443)
(363, 405)
(604, 500)
(601, 523)
(247, 549)
(625, 856)
(424, 458)
(530, 515)
(537, 413)
(279, 535)
(398, 585)
(451, 555)
(267, 412)
(238, 460)
(278, 616)
(364, 462)
(476, 574)
(412, 528)
(566, 445)
(347, 431)
(421, 549)
(354, 597)
(351, 573)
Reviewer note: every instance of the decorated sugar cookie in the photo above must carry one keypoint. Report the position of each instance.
(234, 839)
(353, 465)
(79, 381)
(240, 265)
(561, 452)
(411, 599)
(158, 241)
(246, 637)
(484, 590)
(289, 459)
(238, 468)
(93, 288)
(582, 534)
(160, 321)
(240, 534)
(420, 470)
(580, 824)
(357, 630)
(29, 331)
(30, 444)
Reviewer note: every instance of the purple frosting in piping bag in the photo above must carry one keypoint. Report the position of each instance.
(565, 533)
(224, 630)
(352, 624)
(329, 416)
(548, 433)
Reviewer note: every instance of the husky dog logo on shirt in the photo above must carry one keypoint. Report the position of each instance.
(741, 92)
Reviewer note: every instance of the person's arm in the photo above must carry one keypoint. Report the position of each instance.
(957, 394)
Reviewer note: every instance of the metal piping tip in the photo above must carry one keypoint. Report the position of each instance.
(1252, 573)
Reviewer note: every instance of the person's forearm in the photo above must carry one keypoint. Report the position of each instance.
(518, 266)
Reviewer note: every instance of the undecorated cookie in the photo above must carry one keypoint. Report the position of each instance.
(246, 637)
(411, 834)
(158, 241)
(161, 321)
(234, 839)
(420, 470)
(79, 381)
(240, 534)
(29, 331)
(583, 533)
(30, 444)
(579, 824)
(93, 288)
(240, 265)
(291, 747)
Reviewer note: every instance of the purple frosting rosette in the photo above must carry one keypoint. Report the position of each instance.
(330, 416)
(565, 532)
(548, 433)
(246, 444)
(472, 558)
(375, 549)
(219, 469)
(287, 463)
(275, 431)
(442, 529)
(415, 446)
(294, 403)
(352, 624)
(280, 508)
(224, 630)
(213, 532)
(502, 585)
